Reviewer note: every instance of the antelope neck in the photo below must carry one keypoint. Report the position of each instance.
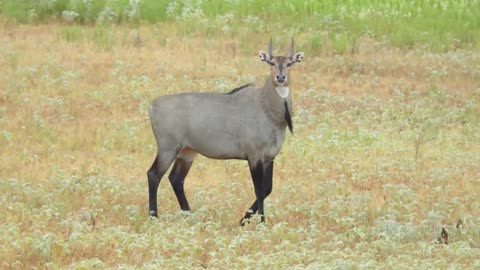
(273, 102)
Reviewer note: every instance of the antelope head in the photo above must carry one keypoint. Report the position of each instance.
(280, 65)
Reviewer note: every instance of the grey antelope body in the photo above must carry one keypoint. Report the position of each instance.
(248, 123)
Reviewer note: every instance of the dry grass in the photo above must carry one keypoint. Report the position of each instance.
(385, 153)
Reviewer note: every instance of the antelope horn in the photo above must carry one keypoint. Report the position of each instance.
(270, 49)
(290, 54)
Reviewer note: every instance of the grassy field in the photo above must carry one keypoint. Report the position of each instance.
(385, 154)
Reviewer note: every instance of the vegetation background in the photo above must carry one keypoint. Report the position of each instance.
(385, 154)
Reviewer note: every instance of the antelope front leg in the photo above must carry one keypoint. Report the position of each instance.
(265, 185)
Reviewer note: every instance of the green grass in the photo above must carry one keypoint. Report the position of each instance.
(442, 25)
(72, 34)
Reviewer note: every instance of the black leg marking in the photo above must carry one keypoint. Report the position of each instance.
(177, 179)
(258, 173)
(154, 177)
(257, 176)
(268, 177)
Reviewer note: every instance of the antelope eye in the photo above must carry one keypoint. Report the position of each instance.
(289, 64)
(271, 64)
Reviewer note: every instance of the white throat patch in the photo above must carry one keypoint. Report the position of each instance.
(283, 91)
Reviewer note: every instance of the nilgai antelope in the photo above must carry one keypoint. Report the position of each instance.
(247, 123)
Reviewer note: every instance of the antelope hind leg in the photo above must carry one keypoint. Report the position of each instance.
(155, 173)
(177, 179)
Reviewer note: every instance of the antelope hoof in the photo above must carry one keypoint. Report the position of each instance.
(244, 221)
(186, 213)
(246, 218)
(262, 219)
(153, 214)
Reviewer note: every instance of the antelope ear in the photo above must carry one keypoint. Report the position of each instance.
(298, 57)
(264, 56)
